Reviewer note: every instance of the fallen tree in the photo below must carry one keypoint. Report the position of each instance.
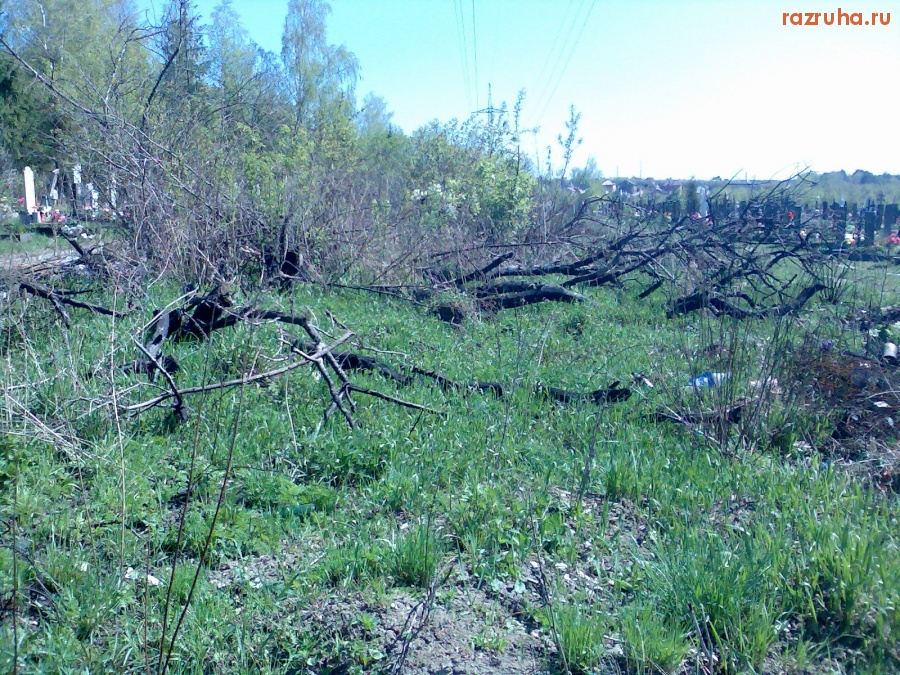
(214, 311)
(203, 321)
(714, 262)
(60, 299)
(720, 305)
(352, 361)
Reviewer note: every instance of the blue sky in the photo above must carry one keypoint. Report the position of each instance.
(665, 88)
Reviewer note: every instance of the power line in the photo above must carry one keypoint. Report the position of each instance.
(463, 49)
(464, 36)
(540, 78)
(551, 74)
(568, 60)
(555, 56)
(475, 55)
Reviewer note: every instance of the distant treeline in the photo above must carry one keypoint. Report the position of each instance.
(857, 188)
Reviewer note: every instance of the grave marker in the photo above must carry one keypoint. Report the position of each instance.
(53, 194)
(76, 184)
(839, 215)
(869, 224)
(891, 211)
(91, 197)
(30, 202)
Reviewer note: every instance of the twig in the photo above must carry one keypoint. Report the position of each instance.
(179, 401)
(398, 401)
(336, 396)
(423, 610)
(314, 334)
(54, 297)
(484, 271)
(379, 291)
(156, 400)
(57, 438)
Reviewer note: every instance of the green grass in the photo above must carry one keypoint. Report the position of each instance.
(744, 549)
(580, 634)
(11, 245)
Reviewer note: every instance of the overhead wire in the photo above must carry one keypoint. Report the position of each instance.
(557, 71)
(557, 58)
(568, 60)
(475, 56)
(550, 82)
(463, 49)
(553, 46)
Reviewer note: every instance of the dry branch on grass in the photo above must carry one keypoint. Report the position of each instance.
(59, 298)
(720, 305)
(214, 311)
(714, 262)
(614, 393)
(179, 394)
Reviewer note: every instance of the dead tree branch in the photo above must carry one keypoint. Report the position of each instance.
(244, 380)
(58, 298)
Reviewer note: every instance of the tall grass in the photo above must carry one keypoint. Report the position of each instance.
(730, 547)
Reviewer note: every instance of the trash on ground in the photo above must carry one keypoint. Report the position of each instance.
(708, 379)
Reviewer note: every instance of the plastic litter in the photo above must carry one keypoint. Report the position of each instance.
(640, 378)
(133, 575)
(708, 379)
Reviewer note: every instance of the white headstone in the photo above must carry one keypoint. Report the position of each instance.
(704, 205)
(76, 184)
(30, 202)
(54, 192)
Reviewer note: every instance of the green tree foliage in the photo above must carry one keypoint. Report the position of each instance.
(30, 122)
(244, 83)
(570, 141)
(472, 176)
(385, 150)
(691, 199)
(232, 55)
(205, 138)
(181, 84)
(374, 116)
(586, 177)
(86, 50)
(319, 75)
